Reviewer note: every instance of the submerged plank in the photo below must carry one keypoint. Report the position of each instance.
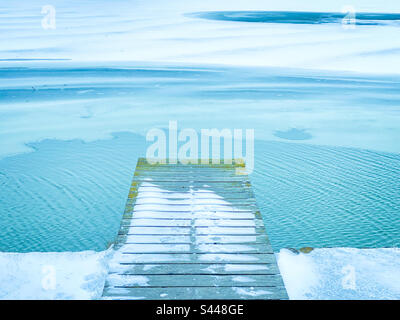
(202, 293)
(131, 257)
(191, 280)
(192, 232)
(213, 239)
(197, 248)
(194, 268)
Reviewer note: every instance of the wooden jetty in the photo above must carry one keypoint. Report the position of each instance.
(192, 232)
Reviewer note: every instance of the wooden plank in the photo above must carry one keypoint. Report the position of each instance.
(128, 258)
(194, 207)
(184, 178)
(194, 202)
(228, 188)
(208, 163)
(197, 248)
(193, 293)
(190, 280)
(222, 194)
(194, 215)
(194, 268)
(181, 230)
(197, 222)
(164, 198)
(236, 239)
(192, 232)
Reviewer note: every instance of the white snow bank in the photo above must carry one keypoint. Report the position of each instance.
(334, 273)
(341, 273)
(58, 275)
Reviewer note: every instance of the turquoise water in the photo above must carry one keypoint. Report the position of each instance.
(328, 196)
(299, 17)
(68, 195)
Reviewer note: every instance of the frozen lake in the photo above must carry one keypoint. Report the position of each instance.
(326, 153)
(77, 98)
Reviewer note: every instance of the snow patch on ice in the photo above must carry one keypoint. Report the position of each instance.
(148, 267)
(238, 267)
(251, 292)
(127, 280)
(53, 275)
(243, 279)
(341, 273)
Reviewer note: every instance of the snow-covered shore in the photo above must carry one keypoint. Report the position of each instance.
(52, 275)
(341, 273)
(331, 273)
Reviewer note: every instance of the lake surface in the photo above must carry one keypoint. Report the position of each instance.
(300, 17)
(326, 154)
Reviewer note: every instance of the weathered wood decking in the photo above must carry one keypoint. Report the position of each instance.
(192, 232)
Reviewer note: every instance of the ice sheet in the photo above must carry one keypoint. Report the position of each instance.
(341, 273)
(161, 31)
(53, 275)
